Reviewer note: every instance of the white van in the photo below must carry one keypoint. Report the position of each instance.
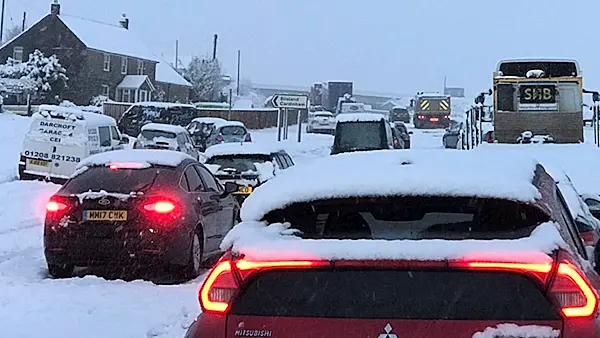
(60, 137)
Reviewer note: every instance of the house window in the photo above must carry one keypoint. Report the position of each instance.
(125, 97)
(124, 65)
(105, 90)
(106, 62)
(140, 67)
(18, 54)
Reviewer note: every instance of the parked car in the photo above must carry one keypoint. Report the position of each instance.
(397, 140)
(59, 138)
(587, 224)
(247, 164)
(361, 132)
(142, 209)
(438, 255)
(200, 129)
(593, 203)
(228, 132)
(399, 114)
(403, 132)
(141, 113)
(453, 134)
(166, 137)
(320, 122)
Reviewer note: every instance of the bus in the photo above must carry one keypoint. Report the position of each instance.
(540, 96)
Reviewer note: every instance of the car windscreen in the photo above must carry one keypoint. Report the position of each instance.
(351, 136)
(414, 218)
(233, 131)
(152, 134)
(118, 181)
(239, 163)
(324, 115)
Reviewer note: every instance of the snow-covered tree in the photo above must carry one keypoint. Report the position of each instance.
(45, 73)
(12, 32)
(98, 101)
(206, 78)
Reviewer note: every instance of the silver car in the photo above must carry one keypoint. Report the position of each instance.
(167, 137)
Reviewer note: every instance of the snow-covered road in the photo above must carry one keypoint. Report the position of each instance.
(32, 305)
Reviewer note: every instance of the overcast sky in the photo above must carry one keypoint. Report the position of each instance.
(397, 46)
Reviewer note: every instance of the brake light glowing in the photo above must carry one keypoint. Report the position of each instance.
(54, 206)
(572, 292)
(126, 165)
(420, 117)
(589, 237)
(160, 207)
(220, 287)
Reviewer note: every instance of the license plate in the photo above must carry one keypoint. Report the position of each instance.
(105, 215)
(39, 163)
(434, 119)
(244, 190)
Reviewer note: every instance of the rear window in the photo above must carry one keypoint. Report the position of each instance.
(152, 134)
(353, 136)
(413, 218)
(323, 115)
(233, 130)
(120, 181)
(238, 163)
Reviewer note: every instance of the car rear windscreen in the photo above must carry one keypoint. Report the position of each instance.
(152, 134)
(414, 217)
(233, 131)
(240, 163)
(119, 181)
(394, 294)
(352, 136)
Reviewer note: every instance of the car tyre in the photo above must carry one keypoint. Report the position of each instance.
(61, 271)
(194, 265)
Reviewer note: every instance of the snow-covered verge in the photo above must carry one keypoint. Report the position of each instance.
(311, 147)
(278, 242)
(513, 330)
(12, 132)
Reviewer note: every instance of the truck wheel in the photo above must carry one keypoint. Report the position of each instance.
(61, 271)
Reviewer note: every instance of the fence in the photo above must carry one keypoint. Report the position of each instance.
(471, 135)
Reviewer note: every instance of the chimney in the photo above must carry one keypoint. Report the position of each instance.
(55, 8)
(124, 21)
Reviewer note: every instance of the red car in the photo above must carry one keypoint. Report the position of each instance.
(404, 253)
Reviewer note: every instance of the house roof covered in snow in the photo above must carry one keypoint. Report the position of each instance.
(167, 74)
(397, 173)
(135, 82)
(106, 37)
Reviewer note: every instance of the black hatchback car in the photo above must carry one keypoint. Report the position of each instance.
(149, 210)
(362, 132)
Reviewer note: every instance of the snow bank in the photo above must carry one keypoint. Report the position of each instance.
(279, 242)
(14, 128)
(400, 172)
(73, 114)
(246, 148)
(142, 158)
(165, 127)
(360, 117)
(513, 330)
(266, 171)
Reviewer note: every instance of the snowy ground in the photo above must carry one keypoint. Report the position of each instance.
(32, 305)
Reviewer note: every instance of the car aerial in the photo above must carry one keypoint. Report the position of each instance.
(403, 132)
(411, 252)
(200, 129)
(228, 132)
(247, 164)
(320, 122)
(454, 132)
(361, 132)
(159, 211)
(61, 137)
(399, 114)
(132, 120)
(166, 137)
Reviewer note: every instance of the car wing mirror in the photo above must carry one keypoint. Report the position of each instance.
(124, 140)
(231, 187)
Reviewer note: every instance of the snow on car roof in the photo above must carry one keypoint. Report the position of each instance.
(73, 114)
(277, 242)
(391, 173)
(246, 148)
(360, 117)
(209, 120)
(225, 123)
(132, 158)
(165, 127)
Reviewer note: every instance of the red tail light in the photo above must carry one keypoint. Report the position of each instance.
(160, 207)
(248, 138)
(54, 206)
(590, 237)
(57, 207)
(420, 117)
(221, 285)
(220, 138)
(573, 293)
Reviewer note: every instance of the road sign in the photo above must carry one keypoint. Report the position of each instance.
(290, 101)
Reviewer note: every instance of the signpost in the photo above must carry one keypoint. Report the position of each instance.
(283, 102)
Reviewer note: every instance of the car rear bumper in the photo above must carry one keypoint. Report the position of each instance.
(148, 248)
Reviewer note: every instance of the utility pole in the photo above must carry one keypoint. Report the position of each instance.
(24, 20)
(215, 47)
(2, 22)
(238, 72)
(177, 55)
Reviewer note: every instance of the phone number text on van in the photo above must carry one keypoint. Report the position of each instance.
(46, 156)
